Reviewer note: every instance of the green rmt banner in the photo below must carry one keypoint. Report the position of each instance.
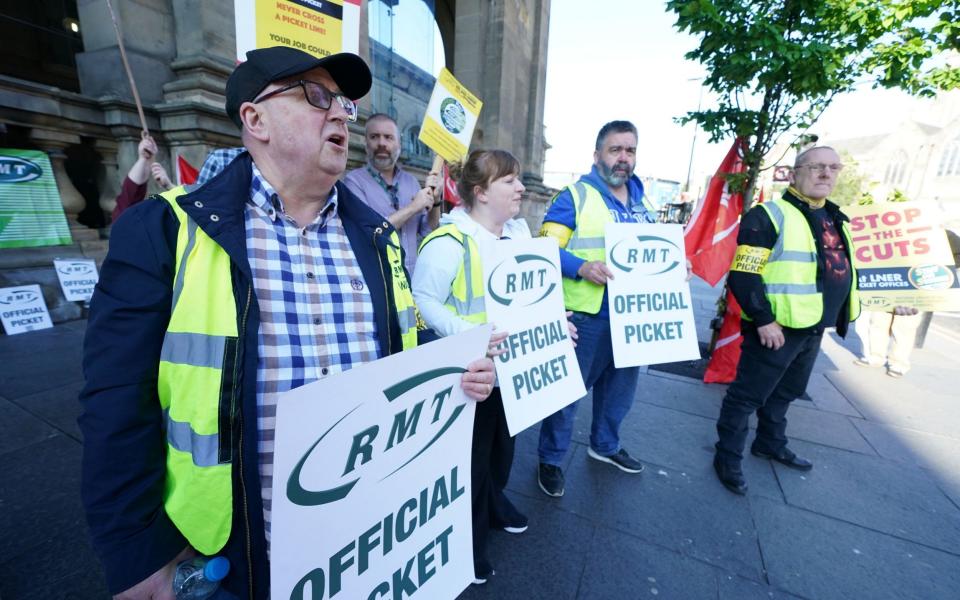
(30, 210)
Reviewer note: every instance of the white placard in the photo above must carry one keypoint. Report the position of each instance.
(77, 278)
(523, 295)
(651, 310)
(371, 479)
(22, 309)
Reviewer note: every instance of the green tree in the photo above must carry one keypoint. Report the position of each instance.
(777, 64)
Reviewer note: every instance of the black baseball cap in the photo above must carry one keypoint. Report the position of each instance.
(266, 65)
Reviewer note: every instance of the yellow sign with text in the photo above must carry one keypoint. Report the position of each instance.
(320, 28)
(903, 257)
(450, 118)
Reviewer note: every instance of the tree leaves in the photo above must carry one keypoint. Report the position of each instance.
(777, 64)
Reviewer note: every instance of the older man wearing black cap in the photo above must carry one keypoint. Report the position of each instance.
(215, 300)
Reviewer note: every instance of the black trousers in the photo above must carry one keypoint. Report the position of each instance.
(491, 460)
(767, 382)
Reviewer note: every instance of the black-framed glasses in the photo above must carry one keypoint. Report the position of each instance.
(318, 96)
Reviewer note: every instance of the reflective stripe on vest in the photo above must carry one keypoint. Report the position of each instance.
(406, 309)
(587, 243)
(466, 298)
(790, 274)
(194, 384)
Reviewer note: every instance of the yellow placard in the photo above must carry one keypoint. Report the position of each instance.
(750, 259)
(450, 118)
(903, 257)
(317, 27)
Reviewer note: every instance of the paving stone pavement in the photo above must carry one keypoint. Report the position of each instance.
(878, 517)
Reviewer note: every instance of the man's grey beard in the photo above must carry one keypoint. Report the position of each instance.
(606, 173)
(382, 163)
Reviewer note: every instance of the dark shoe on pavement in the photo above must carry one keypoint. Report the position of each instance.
(785, 457)
(482, 571)
(505, 516)
(731, 477)
(620, 459)
(550, 478)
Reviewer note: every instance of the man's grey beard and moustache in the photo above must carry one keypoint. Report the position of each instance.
(384, 163)
(615, 180)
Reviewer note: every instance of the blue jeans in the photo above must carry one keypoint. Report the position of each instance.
(613, 391)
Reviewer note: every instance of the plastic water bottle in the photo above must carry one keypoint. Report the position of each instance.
(199, 577)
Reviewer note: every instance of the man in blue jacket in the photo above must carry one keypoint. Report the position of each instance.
(211, 303)
(610, 193)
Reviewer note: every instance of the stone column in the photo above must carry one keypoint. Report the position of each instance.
(109, 178)
(54, 143)
(500, 54)
(205, 51)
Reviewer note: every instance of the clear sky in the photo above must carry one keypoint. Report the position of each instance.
(618, 59)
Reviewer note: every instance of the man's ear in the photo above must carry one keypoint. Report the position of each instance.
(254, 121)
(596, 157)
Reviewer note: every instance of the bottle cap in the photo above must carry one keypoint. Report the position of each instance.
(216, 569)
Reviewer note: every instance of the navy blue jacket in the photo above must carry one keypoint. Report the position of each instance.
(124, 445)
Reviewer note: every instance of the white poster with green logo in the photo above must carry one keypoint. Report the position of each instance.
(651, 311)
(523, 295)
(371, 479)
(30, 210)
(22, 309)
(77, 278)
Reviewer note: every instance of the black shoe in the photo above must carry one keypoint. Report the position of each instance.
(785, 457)
(620, 459)
(482, 571)
(731, 477)
(505, 516)
(550, 478)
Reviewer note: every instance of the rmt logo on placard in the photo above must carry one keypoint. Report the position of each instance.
(17, 297)
(527, 280)
(649, 254)
(76, 268)
(18, 170)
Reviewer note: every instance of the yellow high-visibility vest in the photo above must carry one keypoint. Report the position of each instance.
(587, 242)
(466, 298)
(198, 382)
(790, 273)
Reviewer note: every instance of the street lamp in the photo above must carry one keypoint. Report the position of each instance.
(696, 125)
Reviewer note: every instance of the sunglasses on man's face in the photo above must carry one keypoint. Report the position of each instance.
(318, 96)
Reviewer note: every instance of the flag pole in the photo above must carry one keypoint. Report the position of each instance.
(126, 65)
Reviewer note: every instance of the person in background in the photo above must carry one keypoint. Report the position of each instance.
(134, 187)
(216, 162)
(390, 190)
(451, 301)
(890, 337)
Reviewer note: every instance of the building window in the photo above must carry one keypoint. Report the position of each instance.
(896, 169)
(950, 161)
(412, 146)
(40, 41)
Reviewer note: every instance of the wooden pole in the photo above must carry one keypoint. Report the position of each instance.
(126, 65)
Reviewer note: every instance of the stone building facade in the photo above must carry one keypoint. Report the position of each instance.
(63, 90)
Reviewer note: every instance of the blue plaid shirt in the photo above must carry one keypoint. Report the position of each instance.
(216, 162)
(316, 314)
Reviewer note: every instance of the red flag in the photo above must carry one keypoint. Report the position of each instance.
(450, 193)
(186, 173)
(760, 199)
(711, 235)
(722, 367)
